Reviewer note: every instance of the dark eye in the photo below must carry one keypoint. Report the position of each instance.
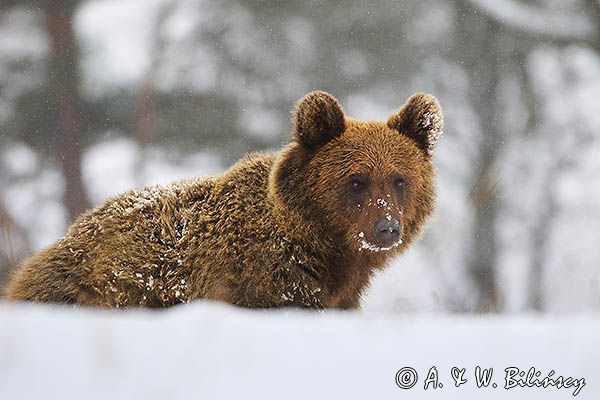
(357, 184)
(400, 183)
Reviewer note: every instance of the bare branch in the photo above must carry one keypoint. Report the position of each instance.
(14, 242)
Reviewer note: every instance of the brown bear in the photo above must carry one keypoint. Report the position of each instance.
(304, 227)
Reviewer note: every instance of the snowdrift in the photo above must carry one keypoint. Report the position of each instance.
(209, 351)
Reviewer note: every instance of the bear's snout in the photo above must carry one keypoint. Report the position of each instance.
(387, 231)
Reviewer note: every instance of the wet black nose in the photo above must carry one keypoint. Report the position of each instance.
(387, 231)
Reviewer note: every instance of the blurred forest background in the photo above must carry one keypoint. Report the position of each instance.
(101, 96)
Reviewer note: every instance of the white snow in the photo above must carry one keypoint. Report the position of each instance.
(116, 40)
(109, 167)
(529, 18)
(22, 34)
(208, 350)
(260, 122)
(381, 203)
(364, 245)
(19, 159)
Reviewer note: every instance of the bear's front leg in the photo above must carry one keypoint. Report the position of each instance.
(302, 288)
(349, 303)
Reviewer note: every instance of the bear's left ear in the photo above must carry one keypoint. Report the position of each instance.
(318, 118)
(421, 119)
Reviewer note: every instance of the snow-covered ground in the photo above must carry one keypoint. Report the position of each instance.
(208, 351)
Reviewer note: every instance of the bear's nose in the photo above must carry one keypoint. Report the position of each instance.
(387, 231)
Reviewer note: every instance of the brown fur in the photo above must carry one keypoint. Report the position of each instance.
(280, 229)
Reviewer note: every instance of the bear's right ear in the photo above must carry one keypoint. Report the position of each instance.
(318, 118)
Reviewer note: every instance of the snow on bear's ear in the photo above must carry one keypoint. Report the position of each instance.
(421, 119)
(318, 118)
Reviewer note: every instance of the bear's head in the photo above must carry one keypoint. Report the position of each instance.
(368, 183)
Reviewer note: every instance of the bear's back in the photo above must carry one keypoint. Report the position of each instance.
(157, 246)
(117, 254)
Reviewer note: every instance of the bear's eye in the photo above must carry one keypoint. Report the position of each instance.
(357, 184)
(400, 183)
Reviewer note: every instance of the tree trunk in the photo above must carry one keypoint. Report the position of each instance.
(144, 125)
(65, 102)
(480, 55)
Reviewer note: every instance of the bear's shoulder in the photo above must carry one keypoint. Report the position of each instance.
(247, 180)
